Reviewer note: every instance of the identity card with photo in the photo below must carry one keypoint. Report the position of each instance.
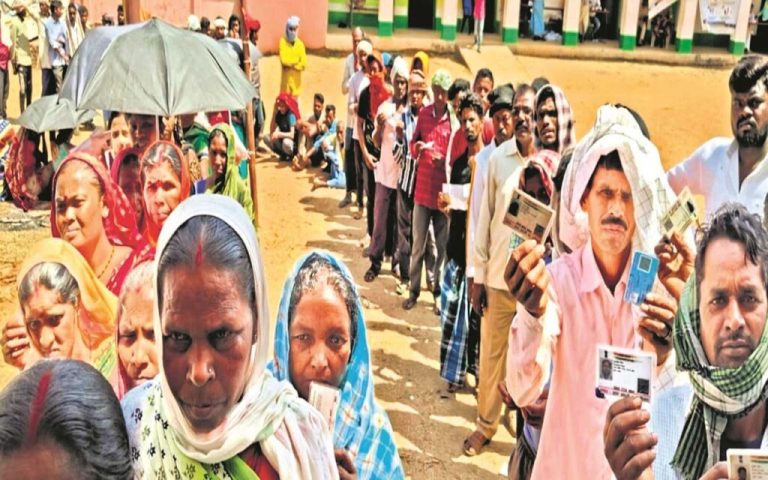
(528, 217)
(642, 275)
(747, 464)
(326, 400)
(621, 372)
(681, 215)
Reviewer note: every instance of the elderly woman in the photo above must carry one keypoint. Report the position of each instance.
(62, 420)
(226, 178)
(165, 180)
(67, 312)
(214, 411)
(136, 349)
(321, 338)
(91, 212)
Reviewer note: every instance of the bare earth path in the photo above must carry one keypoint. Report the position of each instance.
(682, 106)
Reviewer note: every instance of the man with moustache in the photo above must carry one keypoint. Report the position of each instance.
(565, 309)
(491, 250)
(734, 169)
(720, 341)
(554, 120)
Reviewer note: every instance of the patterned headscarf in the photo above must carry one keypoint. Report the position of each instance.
(232, 185)
(361, 426)
(20, 171)
(290, 433)
(616, 129)
(566, 135)
(120, 223)
(720, 394)
(545, 162)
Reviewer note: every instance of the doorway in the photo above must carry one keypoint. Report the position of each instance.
(421, 14)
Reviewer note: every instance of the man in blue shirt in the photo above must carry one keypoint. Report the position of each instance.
(56, 32)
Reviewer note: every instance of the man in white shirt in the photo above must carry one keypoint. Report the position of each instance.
(491, 251)
(351, 66)
(357, 82)
(734, 170)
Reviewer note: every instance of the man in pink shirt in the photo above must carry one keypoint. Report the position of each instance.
(569, 307)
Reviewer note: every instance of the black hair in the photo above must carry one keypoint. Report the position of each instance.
(734, 222)
(559, 177)
(609, 161)
(113, 116)
(208, 239)
(330, 108)
(458, 86)
(538, 83)
(119, 7)
(205, 24)
(750, 70)
(472, 101)
(523, 88)
(70, 404)
(319, 97)
(484, 73)
(57, 3)
(317, 271)
(232, 19)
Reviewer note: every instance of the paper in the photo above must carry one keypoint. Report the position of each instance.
(642, 275)
(459, 194)
(528, 217)
(621, 372)
(326, 400)
(747, 464)
(680, 216)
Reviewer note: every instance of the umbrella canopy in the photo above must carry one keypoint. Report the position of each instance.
(156, 69)
(52, 113)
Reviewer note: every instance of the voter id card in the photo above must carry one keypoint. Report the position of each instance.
(747, 464)
(528, 217)
(641, 277)
(621, 372)
(325, 399)
(680, 215)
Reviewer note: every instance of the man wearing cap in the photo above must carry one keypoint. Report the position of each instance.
(491, 249)
(23, 41)
(406, 183)
(357, 82)
(351, 65)
(219, 28)
(388, 120)
(430, 147)
(293, 58)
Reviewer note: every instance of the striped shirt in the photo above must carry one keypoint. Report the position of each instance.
(407, 180)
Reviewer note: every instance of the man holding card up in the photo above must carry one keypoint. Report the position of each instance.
(719, 340)
(734, 169)
(614, 195)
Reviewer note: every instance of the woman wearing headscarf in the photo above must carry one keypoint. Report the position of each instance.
(226, 175)
(91, 212)
(165, 181)
(27, 170)
(214, 410)
(67, 311)
(293, 58)
(126, 173)
(321, 284)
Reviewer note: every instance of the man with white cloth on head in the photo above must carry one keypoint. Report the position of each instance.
(614, 195)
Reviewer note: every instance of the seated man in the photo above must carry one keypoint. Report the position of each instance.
(318, 133)
(283, 127)
(719, 341)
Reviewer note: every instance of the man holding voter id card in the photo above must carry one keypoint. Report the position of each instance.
(700, 430)
(614, 195)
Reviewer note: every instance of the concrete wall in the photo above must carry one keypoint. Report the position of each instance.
(271, 13)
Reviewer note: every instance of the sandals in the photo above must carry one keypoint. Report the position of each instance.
(475, 443)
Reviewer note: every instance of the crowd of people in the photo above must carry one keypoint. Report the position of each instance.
(116, 334)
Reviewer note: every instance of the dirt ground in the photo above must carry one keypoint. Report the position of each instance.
(683, 107)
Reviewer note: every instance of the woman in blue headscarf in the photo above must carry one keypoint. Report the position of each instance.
(321, 338)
